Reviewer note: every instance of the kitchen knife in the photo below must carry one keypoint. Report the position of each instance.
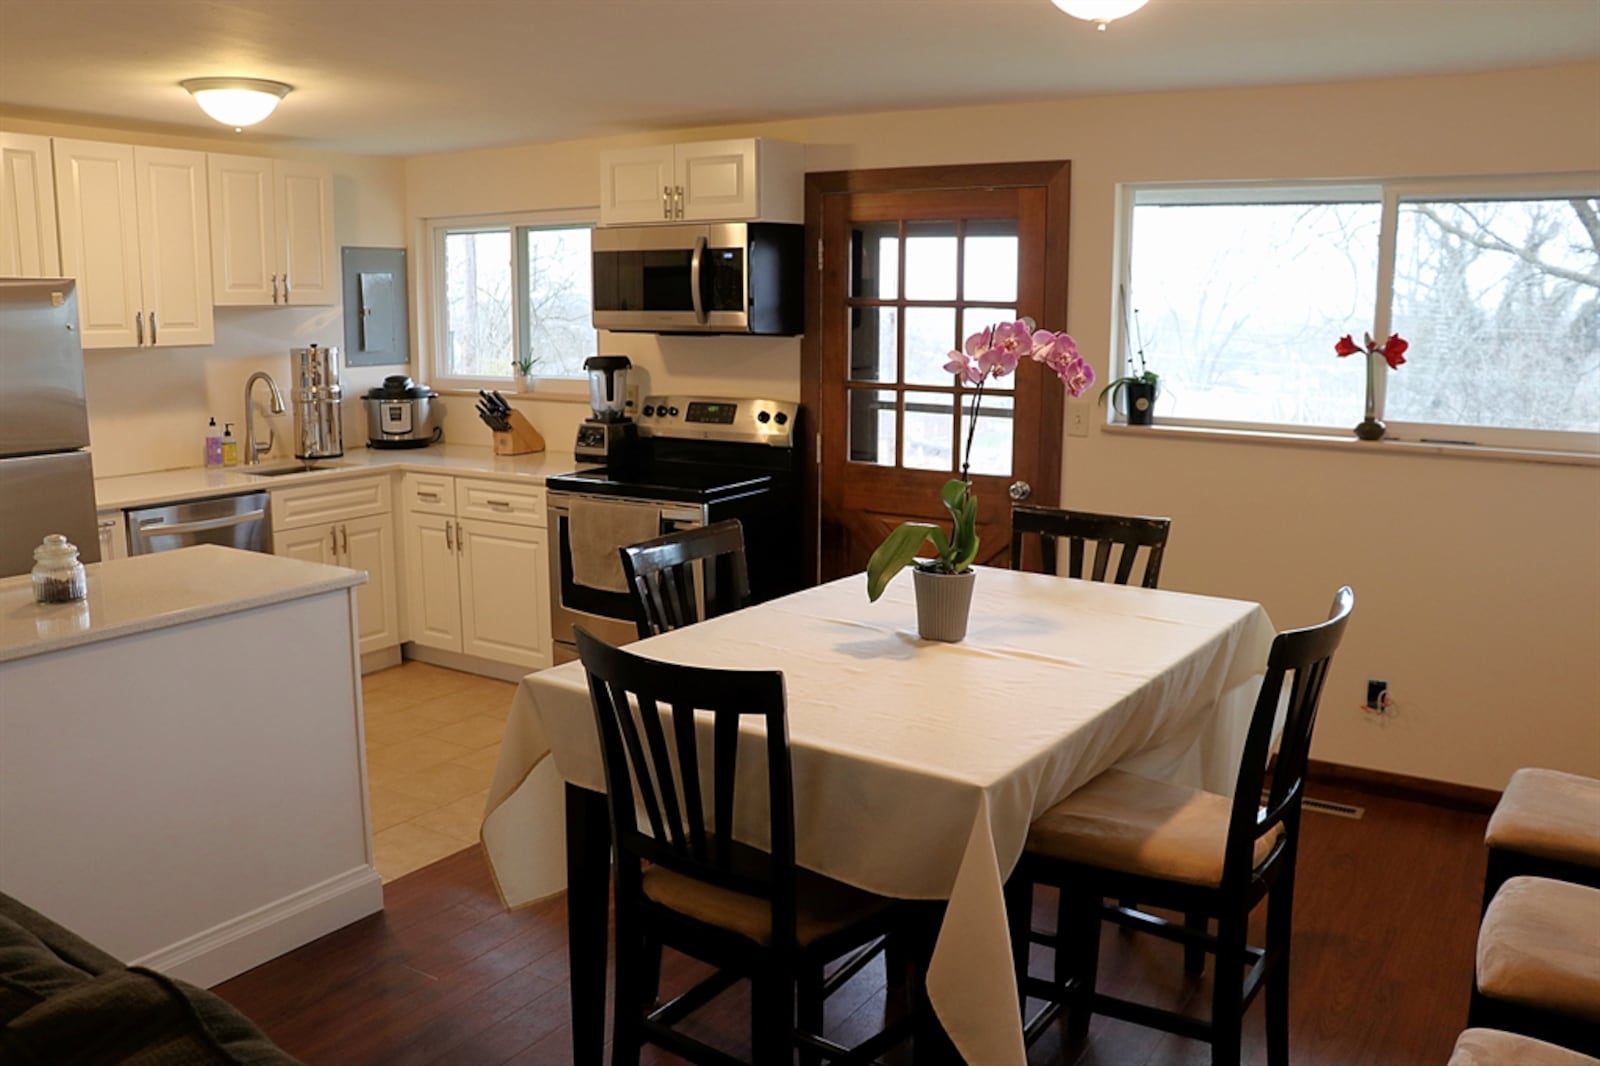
(505, 408)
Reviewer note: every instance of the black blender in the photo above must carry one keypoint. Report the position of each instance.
(609, 435)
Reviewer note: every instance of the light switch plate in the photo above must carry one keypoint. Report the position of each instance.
(1077, 418)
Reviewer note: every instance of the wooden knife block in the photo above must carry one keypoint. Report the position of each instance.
(520, 439)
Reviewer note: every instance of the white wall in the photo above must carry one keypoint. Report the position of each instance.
(1478, 581)
(148, 407)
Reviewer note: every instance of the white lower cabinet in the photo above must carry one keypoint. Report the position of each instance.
(353, 527)
(473, 585)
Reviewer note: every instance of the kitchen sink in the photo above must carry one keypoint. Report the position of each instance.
(280, 469)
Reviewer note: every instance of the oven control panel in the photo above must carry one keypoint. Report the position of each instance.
(720, 418)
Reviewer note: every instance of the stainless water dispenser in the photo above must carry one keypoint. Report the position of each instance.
(318, 430)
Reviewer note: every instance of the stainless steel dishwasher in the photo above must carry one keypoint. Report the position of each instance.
(231, 521)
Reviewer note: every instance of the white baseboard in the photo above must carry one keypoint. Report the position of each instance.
(382, 659)
(468, 664)
(227, 950)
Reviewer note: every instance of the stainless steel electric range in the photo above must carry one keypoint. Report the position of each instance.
(697, 460)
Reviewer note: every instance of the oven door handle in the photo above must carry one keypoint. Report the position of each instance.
(694, 280)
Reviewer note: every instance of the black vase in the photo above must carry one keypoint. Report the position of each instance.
(1141, 403)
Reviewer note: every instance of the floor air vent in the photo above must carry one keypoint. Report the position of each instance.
(1343, 810)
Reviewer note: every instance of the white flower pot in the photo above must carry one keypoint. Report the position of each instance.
(943, 603)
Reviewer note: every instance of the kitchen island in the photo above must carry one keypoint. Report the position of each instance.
(182, 778)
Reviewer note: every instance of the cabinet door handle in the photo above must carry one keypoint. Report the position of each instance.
(344, 541)
(430, 497)
(285, 286)
(679, 196)
(504, 505)
(138, 327)
(153, 328)
(274, 288)
(666, 201)
(461, 540)
(449, 538)
(333, 540)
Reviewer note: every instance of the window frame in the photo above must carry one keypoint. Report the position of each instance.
(1390, 194)
(435, 231)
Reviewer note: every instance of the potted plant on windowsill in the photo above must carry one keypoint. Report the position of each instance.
(944, 582)
(1140, 388)
(524, 367)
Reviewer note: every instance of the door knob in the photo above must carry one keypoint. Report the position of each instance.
(1020, 490)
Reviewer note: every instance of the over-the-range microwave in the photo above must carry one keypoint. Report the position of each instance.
(720, 277)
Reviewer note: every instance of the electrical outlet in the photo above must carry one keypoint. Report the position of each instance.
(1077, 419)
(633, 400)
(1377, 695)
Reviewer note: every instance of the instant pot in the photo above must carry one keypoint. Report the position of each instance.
(401, 414)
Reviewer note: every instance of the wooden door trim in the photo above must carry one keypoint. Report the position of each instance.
(1055, 177)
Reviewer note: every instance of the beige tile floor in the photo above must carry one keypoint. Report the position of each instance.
(432, 739)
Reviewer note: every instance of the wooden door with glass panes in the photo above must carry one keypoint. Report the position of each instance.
(906, 275)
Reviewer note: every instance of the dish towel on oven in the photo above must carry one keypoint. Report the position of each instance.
(595, 530)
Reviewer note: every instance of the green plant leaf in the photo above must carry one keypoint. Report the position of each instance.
(896, 553)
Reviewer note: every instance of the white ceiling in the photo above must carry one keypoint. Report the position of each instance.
(414, 76)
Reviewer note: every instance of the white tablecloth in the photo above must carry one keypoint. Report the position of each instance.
(918, 766)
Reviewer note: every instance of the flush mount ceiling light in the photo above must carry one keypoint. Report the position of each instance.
(236, 102)
(1099, 12)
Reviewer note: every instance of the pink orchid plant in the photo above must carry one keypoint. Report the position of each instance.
(990, 353)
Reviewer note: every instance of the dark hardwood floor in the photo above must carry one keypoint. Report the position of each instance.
(1386, 915)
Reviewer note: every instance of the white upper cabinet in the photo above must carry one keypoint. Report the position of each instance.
(29, 247)
(135, 233)
(272, 232)
(738, 180)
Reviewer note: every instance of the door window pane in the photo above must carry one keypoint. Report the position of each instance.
(557, 308)
(989, 270)
(477, 311)
(991, 440)
(872, 426)
(875, 261)
(930, 335)
(930, 431)
(930, 260)
(1240, 303)
(873, 343)
(1499, 301)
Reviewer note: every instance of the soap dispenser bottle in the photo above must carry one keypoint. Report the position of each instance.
(230, 446)
(213, 443)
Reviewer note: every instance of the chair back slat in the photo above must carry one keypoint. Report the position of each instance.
(656, 768)
(1118, 537)
(1297, 666)
(663, 574)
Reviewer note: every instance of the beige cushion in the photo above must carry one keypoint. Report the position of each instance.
(1490, 1047)
(1548, 814)
(822, 905)
(1121, 821)
(1539, 946)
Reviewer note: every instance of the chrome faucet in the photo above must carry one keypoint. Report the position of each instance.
(252, 450)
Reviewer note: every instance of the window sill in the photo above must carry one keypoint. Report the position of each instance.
(1387, 446)
(553, 394)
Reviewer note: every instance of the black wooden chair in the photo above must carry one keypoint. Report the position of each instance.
(1127, 837)
(1107, 532)
(683, 881)
(662, 574)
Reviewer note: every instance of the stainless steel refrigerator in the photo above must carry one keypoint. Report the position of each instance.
(46, 478)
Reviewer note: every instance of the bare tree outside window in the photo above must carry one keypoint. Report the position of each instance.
(477, 312)
(1501, 301)
(558, 300)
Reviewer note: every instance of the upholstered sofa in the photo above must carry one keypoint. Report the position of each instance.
(63, 1000)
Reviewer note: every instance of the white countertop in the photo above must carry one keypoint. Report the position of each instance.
(146, 592)
(166, 486)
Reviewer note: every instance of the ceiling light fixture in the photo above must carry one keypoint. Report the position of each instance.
(1099, 12)
(236, 102)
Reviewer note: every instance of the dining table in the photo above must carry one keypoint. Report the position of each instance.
(917, 765)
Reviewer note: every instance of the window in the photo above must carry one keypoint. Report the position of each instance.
(511, 289)
(1236, 295)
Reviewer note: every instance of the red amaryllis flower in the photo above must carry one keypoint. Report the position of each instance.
(1346, 346)
(1394, 351)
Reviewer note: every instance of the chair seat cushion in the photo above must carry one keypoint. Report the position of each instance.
(823, 906)
(1132, 824)
(1548, 814)
(1490, 1047)
(1539, 947)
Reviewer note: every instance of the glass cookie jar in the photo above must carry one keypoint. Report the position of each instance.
(58, 576)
